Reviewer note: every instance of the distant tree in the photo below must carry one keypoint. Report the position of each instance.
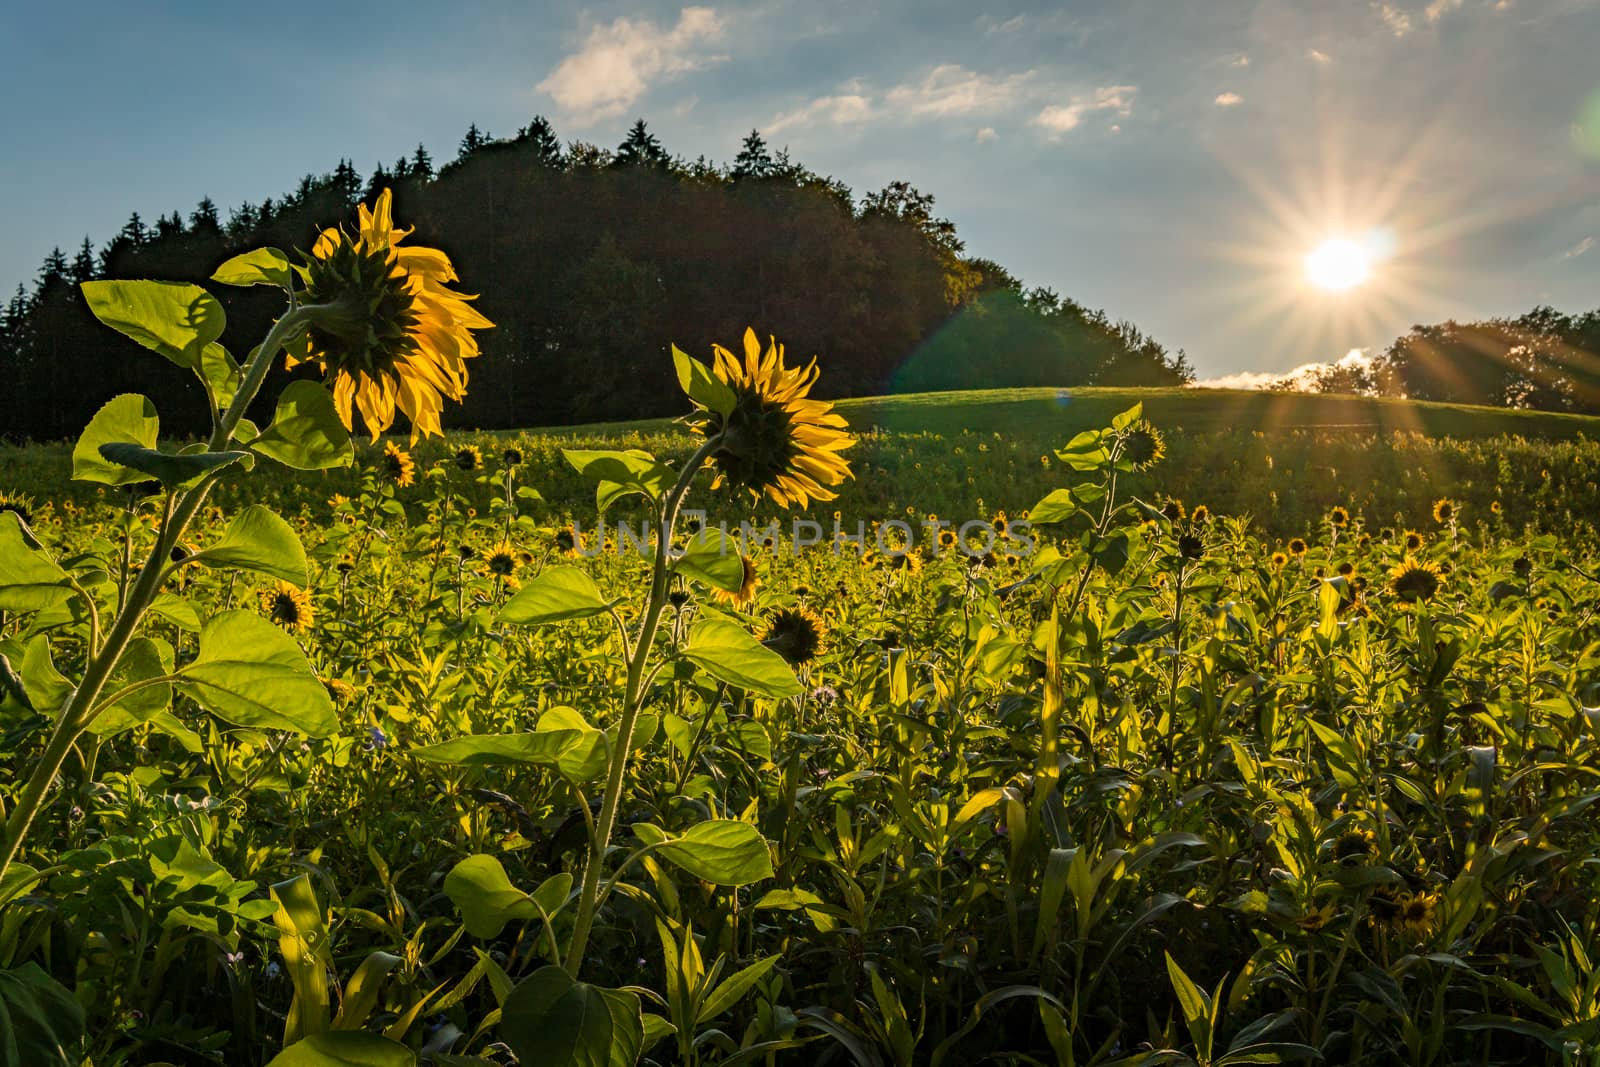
(241, 222)
(347, 183)
(540, 137)
(421, 164)
(167, 226)
(376, 184)
(641, 148)
(82, 268)
(204, 219)
(581, 155)
(401, 169)
(471, 142)
(753, 160)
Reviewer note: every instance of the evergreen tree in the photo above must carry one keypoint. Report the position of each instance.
(135, 232)
(347, 183)
(241, 222)
(541, 137)
(265, 212)
(168, 226)
(640, 148)
(376, 184)
(52, 271)
(471, 142)
(82, 269)
(402, 169)
(421, 163)
(753, 160)
(204, 219)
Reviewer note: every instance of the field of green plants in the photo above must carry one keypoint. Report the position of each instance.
(1087, 744)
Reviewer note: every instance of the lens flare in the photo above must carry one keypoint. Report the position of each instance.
(1338, 264)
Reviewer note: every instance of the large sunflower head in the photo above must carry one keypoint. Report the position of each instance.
(390, 333)
(398, 466)
(776, 440)
(1142, 445)
(795, 634)
(288, 605)
(1414, 579)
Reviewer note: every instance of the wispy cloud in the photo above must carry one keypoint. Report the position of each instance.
(986, 135)
(618, 62)
(844, 109)
(1317, 55)
(1299, 379)
(1058, 119)
(1397, 20)
(1578, 249)
(1438, 9)
(951, 89)
(1228, 99)
(1240, 61)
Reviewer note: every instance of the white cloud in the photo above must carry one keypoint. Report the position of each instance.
(1438, 9)
(619, 60)
(1228, 99)
(951, 89)
(1579, 249)
(986, 135)
(1299, 380)
(845, 109)
(1060, 118)
(1319, 56)
(1398, 21)
(1241, 61)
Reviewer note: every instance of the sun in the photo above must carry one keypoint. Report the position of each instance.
(1338, 264)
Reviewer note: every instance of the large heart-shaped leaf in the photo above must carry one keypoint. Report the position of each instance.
(558, 594)
(729, 654)
(29, 579)
(41, 1022)
(719, 851)
(171, 469)
(126, 419)
(478, 886)
(550, 1018)
(262, 266)
(484, 750)
(251, 673)
(259, 540)
(171, 318)
(713, 557)
(306, 432)
(619, 474)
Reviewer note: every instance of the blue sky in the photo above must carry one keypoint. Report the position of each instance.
(1171, 162)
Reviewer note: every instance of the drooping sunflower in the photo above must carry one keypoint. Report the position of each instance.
(1200, 515)
(288, 605)
(776, 440)
(398, 465)
(795, 634)
(1355, 845)
(1173, 510)
(1444, 511)
(1414, 579)
(19, 505)
(1191, 546)
(1143, 445)
(469, 457)
(392, 333)
(1338, 516)
(746, 593)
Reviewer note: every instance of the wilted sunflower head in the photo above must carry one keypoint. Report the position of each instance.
(776, 440)
(795, 634)
(1444, 511)
(1338, 516)
(288, 605)
(19, 505)
(511, 457)
(567, 541)
(1200, 515)
(1297, 546)
(469, 457)
(1346, 569)
(1173, 510)
(398, 466)
(500, 561)
(1414, 579)
(389, 331)
(1412, 540)
(1354, 845)
(1143, 445)
(746, 593)
(1191, 547)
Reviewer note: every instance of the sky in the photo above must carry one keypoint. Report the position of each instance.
(1170, 162)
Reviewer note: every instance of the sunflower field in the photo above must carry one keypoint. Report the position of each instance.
(774, 740)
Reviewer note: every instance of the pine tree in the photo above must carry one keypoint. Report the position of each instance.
(168, 226)
(402, 169)
(421, 163)
(204, 219)
(376, 184)
(52, 272)
(265, 212)
(135, 232)
(241, 221)
(347, 183)
(82, 269)
(640, 148)
(471, 142)
(753, 160)
(541, 136)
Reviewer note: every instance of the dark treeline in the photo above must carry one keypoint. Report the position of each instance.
(591, 262)
(1543, 360)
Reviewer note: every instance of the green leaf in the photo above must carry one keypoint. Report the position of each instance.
(559, 594)
(550, 1018)
(303, 939)
(1195, 1004)
(487, 750)
(250, 673)
(729, 654)
(259, 540)
(1057, 506)
(306, 432)
(264, 266)
(47, 688)
(29, 579)
(345, 1048)
(487, 900)
(713, 557)
(41, 1022)
(171, 318)
(129, 418)
(733, 988)
(172, 470)
(220, 372)
(619, 474)
(145, 659)
(721, 851)
(587, 758)
(1129, 417)
(701, 385)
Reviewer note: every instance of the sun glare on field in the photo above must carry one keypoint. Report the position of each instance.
(1338, 264)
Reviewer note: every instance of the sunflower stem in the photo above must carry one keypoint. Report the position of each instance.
(632, 701)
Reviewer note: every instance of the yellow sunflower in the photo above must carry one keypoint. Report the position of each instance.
(288, 605)
(469, 457)
(1444, 511)
(501, 561)
(1339, 516)
(392, 334)
(776, 440)
(795, 634)
(1414, 540)
(746, 593)
(1414, 579)
(398, 465)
